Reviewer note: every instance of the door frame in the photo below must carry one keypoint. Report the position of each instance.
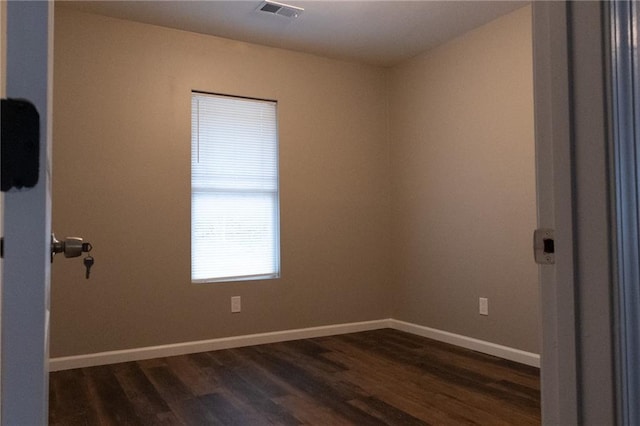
(573, 145)
(625, 72)
(553, 186)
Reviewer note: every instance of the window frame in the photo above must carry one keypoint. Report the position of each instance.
(275, 224)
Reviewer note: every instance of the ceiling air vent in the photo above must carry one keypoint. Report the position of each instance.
(281, 9)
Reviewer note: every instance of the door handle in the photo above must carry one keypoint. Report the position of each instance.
(72, 247)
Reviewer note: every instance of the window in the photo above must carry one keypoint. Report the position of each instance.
(234, 189)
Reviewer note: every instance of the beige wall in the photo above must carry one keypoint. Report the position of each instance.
(448, 187)
(463, 191)
(122, 180)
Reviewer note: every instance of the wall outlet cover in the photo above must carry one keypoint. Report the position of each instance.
(484, 306)
(235, 304)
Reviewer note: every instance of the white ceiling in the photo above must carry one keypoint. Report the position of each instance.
(376, 31)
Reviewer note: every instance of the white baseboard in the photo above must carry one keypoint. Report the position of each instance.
(505, 352)
(113, 357)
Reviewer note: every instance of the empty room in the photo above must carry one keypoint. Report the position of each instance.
(400, 285)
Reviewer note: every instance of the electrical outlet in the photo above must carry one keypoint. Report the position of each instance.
(484, 306)
(235, 304)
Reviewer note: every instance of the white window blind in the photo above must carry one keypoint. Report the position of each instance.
(234, 189)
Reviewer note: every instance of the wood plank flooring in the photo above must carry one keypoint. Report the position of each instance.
(381, 377)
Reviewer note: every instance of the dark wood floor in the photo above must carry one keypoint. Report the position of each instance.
(370, 378)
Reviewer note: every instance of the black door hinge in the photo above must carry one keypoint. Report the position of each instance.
(20, 144)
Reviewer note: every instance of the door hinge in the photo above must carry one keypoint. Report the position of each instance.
(20, 144)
